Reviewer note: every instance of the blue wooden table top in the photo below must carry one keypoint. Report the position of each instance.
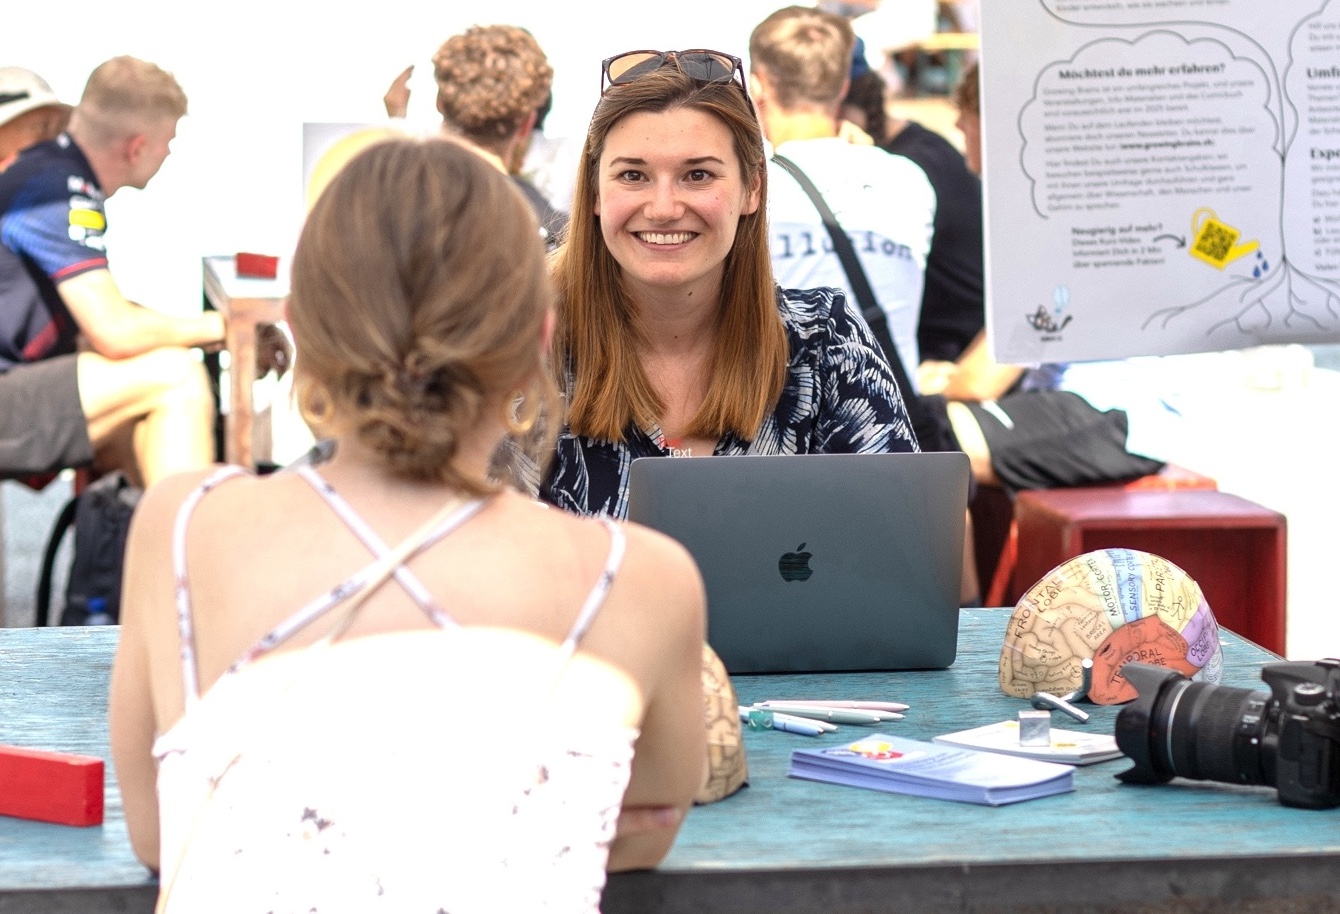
(780, 822)
(53, 695)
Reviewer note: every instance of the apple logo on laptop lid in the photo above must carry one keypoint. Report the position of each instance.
(795, 566)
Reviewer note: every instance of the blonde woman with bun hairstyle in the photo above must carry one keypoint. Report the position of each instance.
(395, 685)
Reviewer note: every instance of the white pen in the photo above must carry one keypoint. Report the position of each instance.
(794, 725)
(894, 706)
(834, 715)
(761, 719)
(809, 722)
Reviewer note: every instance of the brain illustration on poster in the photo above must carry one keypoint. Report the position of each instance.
(1162, 176)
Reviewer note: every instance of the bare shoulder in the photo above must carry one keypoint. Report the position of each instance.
(159, 505)
(148, 573)
(657, 558)
(656, 568)
(659, 584)
(159, 508)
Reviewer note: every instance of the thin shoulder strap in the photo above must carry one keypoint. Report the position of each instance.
(374, 544)
(190, 677)
(596, 598)
(874, 315)
(851, 264)
(363, 582)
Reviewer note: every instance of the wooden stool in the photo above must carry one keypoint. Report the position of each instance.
(1233, 548)
(996, 534)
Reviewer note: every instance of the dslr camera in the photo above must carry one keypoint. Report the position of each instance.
(1287, 738)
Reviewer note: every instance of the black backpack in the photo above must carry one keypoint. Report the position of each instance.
(100, 516)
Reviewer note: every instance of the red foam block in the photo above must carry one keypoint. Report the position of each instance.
(50, 786)
(257, 266)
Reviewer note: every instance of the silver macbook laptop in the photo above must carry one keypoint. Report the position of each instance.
(818, 562)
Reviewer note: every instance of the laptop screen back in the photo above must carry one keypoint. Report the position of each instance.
(818, 562)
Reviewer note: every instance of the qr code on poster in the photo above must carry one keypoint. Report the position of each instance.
(1215, 241)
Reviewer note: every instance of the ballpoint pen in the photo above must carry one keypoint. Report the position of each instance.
(760, 719)
(821, 724)
(834, 715)
(1046, 701)
(894, 706)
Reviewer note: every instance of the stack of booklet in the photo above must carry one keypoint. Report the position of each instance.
(899, 765)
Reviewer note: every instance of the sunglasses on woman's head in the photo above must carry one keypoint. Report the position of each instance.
(698, 64)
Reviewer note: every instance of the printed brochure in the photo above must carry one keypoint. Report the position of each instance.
(897, 765)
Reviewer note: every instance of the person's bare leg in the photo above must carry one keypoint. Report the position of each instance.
(161, 399)
(973, 442)
(178, 435)
(117, 452)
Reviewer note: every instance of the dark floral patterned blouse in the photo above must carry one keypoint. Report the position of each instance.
(839, 398)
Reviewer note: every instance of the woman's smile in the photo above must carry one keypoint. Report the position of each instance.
(666, 239)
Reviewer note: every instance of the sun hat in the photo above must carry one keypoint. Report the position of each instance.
(22, 91)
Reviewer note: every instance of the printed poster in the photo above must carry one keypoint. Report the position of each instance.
(1161, 176)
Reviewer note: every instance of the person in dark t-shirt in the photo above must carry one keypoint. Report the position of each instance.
(133, 396)
(952, 310)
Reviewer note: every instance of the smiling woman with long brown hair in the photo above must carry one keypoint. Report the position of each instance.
(673, 339)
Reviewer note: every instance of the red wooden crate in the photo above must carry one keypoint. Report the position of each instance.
(1235, 549)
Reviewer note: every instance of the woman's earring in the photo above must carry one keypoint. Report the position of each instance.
(520, 413)
(314, 403)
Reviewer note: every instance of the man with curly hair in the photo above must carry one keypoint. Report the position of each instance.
(491, 82)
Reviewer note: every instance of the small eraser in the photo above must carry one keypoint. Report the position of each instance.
(51, 786)
(257, 266)
(1035, 728)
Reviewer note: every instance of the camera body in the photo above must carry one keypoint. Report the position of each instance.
(1287, 738)
(1307, 758)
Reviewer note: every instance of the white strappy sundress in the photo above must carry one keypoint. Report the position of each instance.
(420, 770)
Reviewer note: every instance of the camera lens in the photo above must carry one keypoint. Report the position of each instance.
(1213, 733)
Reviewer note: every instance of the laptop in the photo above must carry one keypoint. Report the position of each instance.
(818, 562)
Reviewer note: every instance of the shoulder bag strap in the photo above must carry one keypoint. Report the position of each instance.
(860, 285)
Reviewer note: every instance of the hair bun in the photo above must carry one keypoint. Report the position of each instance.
(423, 387)
(413, 413)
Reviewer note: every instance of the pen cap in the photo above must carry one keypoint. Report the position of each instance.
(756, 719)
